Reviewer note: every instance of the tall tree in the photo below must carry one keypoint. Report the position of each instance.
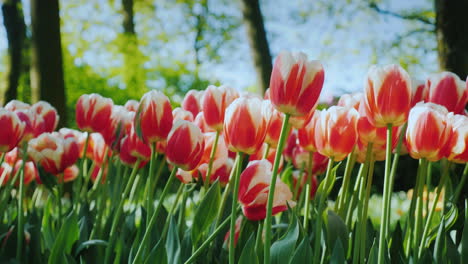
(15, 27)
(47, 81)
(258, 42)
(452, 36)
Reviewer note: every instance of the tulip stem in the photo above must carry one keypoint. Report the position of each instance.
(460, 185)
(226, 192)
(265, 154)
(210, 163)
(321, 206)
(59, 197)
(385, 217)
(307, 191)
(84, 169)
(154, 216)
(419, 205)
(258, 240)
(119, 211)
(158, 176)
(442, 181)
(370, 174)
(234, 207)
(271, 193)
(343, 199)
(171, 212)
(354, 196)
(296, 187)
(208, 240)
(20, 236)
(149, 195)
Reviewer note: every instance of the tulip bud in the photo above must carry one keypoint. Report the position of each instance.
(201, 123)
(192, 102)
(132, 105)
(419, 92)
(388, 95)
(458, 143)
(48, 113)
(14, 105)
(214, 104)
(245, 125)
(12, 130)
(254, 187)
(120, 122)
(296, 83)
(336, 132)
(154, 117)
(70, 173)
(30, 171)
(93, 112)
(179, 113)
(53, 152)
(236, 232)
(305, 180)
(448, 90)
(274, 127)
(428, 131)
(185, 145)
(5, 173)
(34, 124)
(306, 135)
(132, 148)
(351, 100)
(291, 143)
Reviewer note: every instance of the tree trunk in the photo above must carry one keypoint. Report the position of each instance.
(128, 20)
(47, 82)
(15, 30)
(258, 42)
(452, 36)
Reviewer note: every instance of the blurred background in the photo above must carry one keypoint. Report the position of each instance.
(57, 50)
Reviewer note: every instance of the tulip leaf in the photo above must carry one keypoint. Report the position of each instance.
(464, 240)
(439, 247)
(158, 254)
(282, 250)
(396, 247)
(336, 230)
(248, 255)
(206, 212)
(173, 243)
(89, 243)
(373, 255)
(303, 252)
(68, 234)
(452, 252)
(338, 253)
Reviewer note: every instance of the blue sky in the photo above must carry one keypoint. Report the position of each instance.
(346, 37)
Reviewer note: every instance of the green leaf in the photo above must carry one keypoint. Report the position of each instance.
(396, 248)
(336, 229)
(282, 250)
(206, 212)
(47, 230)
(452, 253)
(158, 254)
(69, 233)
(338, 254)
(464, 240)
(248, 255)
(173, 243)
(89, 243)
(439, 247)
(373, 256)
(303, 252)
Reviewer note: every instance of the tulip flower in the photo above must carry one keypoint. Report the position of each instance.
(306, 135)
(192, 102)
(14, 105)
(301, 158)
(387, 95)
(298, 122)
(12, 130)
(5, 173)
(48, 113)
(447, 89)
(237, 232)
(245, 125)
(185, 145)
(34, 124)
(70, 173)
(296, 177)
(336, 132)
(351, 100)
(201, 123)
(428, 131)
(97, 148)
(95, 173)
(419, 92)
(132, 149)
(53, 152)
(458, 143)
(120, 123)
(274, 127)
(30, 171)
(214, 104)
(254, 186)
(260, 154)
(93, 112)
(179, 113)
(132, 105)
(291, 143)
(154, 117)
(186, 176)
(296, 83)
(219, 159)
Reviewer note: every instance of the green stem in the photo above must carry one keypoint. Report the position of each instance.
(370, 175)
(321, 207)
(20, 236)
(271, 192)
(118, 213)
(226, 192)
(258, 240)
(460, 185)
(265, 154)
(59, 198)
(354, 196)
(419, 206)
(208, 240)
(84, 170)
(171, 212)
(307, 191)
(158, 176)
(385, 217)
(210, 163)
(343, 194)
(154, 216)
(443, 179)
(411, 212)
(234, 206)
(149, 201)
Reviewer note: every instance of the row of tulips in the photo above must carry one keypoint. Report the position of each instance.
(102, 194)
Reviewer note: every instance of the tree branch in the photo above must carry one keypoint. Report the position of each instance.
(416, 17)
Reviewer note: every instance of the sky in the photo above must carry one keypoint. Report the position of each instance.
(346, 36)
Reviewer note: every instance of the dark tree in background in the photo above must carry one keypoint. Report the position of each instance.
(15, 30)
(452, 35)
(47, 81)
(258, 42)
